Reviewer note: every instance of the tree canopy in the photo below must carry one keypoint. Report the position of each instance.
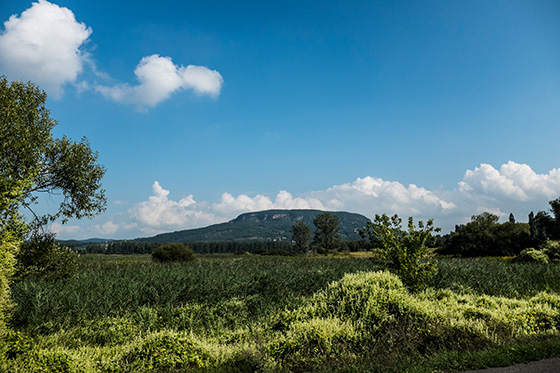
(327, 236)
(485, 236)
(33, 161)
(301, 236)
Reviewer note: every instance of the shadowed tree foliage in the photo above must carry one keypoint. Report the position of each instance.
(43, 256)
(484, 236)
(327, 237)
(301, 235)
(555, 209)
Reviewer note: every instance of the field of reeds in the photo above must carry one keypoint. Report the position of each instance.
(251, 313)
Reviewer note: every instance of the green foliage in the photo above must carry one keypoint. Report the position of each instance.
(532, 255)
(44, 256)
(301, 235)
(484, 236)
(373, 313)
(403, 252)
(9, 246)
(161, 353)
(173, 252)
(541, 226)
(31, 159)
(552, 250)
(496, 277)
(270, 314)
(327, 236)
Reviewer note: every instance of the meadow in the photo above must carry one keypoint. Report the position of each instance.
(245, 313)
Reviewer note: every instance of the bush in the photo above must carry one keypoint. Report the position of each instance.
(532, 255)
(173, 252)
(43, 256)
(552, 249)
(402, 252)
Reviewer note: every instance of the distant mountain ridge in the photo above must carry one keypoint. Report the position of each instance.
(265, 225)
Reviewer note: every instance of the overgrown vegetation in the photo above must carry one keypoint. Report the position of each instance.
(251, 313)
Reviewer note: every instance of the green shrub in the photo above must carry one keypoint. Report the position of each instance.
(43, 256)
(173, 252)
(402, 252)
(532, 255)
(163, 353)
(552, 249)
(8, 249)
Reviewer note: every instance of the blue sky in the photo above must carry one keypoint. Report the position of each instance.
(201, 111)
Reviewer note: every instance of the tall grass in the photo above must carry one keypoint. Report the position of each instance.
(111, 287)
(249, 313)
(497, 277)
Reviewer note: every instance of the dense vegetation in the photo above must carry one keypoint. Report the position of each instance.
(250, 313)
(485, 236)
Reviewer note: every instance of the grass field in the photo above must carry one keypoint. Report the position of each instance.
(252, 313)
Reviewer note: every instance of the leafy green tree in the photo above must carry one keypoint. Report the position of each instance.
(301, 235)
(173, 252)
(327, 236)
(476, 238)
(403, 252)
(43, 256)
(33, 161)
(541, 226)
(485, 236)
(555, 209)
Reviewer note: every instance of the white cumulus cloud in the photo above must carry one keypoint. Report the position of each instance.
(229, 204)
(159, 212)
(63, 229)
(513, 181)
(511, 188)
(108, 228)
(375, 195)
(159, 77)
(43, 45)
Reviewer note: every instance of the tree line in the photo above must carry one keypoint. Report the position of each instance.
(485, 236)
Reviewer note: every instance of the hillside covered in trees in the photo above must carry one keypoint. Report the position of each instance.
(269, 225)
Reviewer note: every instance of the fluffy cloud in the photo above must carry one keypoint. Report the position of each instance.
(513, 181)
(229, 204)
(159, 77)
(43, 45)
(63, 229)
(108, 228)
(513, 187)
(369, 194)
(160, 212)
